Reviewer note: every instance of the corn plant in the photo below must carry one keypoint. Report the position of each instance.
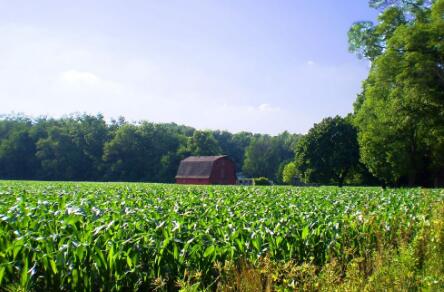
(129, 236)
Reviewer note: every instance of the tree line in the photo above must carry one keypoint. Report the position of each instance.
(87, 148)
(395, 136)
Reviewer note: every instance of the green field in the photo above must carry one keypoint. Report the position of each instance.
(129, 236)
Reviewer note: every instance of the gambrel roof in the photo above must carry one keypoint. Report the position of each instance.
(197, 166)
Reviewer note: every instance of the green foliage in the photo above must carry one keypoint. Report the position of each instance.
(17, 148)
(404, 4)
(289, 175)
(261, 181)
(363, 41)
(369, 40)
(71, 148)
(411, 265)
(260, 157)
(328, 153)
(120, 237)
(203, 143)
(134, 150)
(233, 145)
(266, 155)
(399, 113)
(84, 147)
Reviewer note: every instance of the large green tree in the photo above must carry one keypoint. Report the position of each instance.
(70, 148)
(290, 173)
(260, 159)
(17, 149)
(145, 152)
(203, 143)
(328, 153)
(400, 113)
(267, 155)
(233, 145)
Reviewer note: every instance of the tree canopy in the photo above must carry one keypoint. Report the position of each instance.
(400, 113)
(85, 147)
(328, 152)
(266, 156)
(203, 143)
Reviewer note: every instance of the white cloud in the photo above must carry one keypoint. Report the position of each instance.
(265, 107)
(78, 77)
(310, 63)
(86, 83)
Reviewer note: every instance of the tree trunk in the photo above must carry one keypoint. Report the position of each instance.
(438, 181)
(341, 182)
(412, 172)
(341, 178)
(412, 177)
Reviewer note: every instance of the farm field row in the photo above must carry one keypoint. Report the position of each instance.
(131, 236)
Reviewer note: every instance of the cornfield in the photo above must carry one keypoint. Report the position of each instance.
(138, 237)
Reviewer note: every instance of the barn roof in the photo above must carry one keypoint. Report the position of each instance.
(197, 166)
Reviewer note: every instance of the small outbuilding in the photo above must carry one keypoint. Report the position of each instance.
(207, 170)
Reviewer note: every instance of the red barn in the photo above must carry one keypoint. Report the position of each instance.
(206, 170)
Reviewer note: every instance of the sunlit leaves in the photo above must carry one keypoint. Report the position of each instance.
(399, 113)
(120, 237)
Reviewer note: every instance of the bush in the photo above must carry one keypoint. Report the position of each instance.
(262, 181)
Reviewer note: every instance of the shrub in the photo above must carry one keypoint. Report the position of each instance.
(262, 181)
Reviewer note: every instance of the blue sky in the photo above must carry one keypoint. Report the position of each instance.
(254, 65)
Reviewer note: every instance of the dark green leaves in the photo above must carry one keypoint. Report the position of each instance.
(150, 231)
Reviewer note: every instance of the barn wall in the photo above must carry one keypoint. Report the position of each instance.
(223, 172)
(193, 181)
